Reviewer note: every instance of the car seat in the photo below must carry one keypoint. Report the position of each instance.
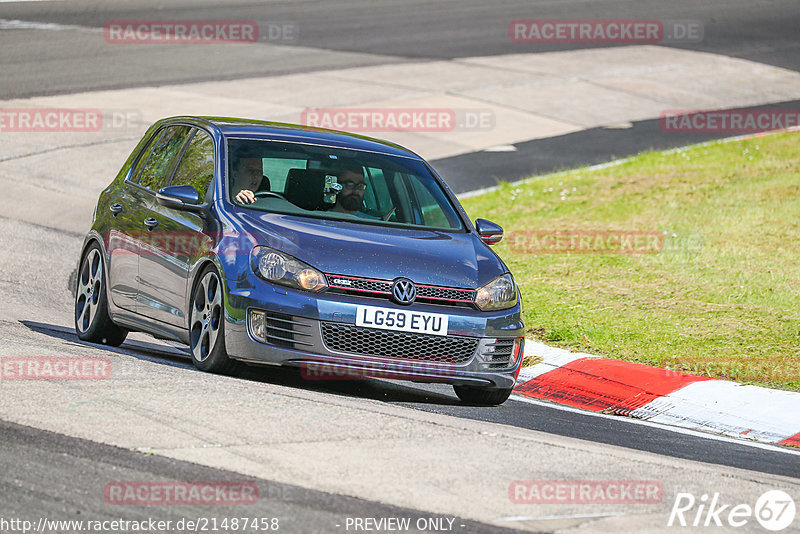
(306, 188)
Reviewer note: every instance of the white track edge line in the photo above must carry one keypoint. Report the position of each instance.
(671, 428)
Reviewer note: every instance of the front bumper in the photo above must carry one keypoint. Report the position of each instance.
(317, 332)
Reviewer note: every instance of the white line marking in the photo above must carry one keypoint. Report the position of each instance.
(730, 408)
(501, 148)
(677, 430)
(13, 24)
(555, 517)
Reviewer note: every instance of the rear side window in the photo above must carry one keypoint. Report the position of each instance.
(196, 167)
(159, 162)
(140, 162)
(276, 169)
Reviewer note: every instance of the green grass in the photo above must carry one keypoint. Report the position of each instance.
(721, 299)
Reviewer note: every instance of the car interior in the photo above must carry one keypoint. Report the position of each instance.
(305, 183)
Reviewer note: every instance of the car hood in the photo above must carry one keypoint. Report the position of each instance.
(454, 259)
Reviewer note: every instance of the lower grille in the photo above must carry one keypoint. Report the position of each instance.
(284, 330)
(400, 345)
(498, 354)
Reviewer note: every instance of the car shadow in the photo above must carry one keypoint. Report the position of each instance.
(176, 356)
(163, 354)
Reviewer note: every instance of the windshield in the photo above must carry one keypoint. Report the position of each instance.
(333, 183)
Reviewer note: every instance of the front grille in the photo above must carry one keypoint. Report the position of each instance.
(445, 293)
(498, 354)
(358, 285)
(369, 287)
(399, 345)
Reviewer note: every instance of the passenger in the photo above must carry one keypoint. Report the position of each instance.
(350, 199)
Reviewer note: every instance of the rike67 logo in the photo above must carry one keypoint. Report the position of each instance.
(774, 511)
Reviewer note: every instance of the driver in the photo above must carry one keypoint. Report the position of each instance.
(247, 178)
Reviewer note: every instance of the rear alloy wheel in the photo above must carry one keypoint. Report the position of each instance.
(482, 396)
(207, 325)
(92, 322)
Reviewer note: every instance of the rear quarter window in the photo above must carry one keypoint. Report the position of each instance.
(196, 167)
(154, 173)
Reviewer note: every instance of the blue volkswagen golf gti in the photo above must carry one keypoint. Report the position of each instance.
(277, 244)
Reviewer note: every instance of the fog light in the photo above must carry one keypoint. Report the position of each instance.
(489, 348)
(258, 325)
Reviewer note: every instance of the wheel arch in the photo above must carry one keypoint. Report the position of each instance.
(199, 267)
(92, 238)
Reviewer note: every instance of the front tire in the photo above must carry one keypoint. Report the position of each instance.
(207, 325)
(482, 396)
(92, 321)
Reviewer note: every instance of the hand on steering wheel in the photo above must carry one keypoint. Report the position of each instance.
(261, 194)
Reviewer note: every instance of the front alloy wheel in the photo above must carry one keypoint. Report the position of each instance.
(207, 325)
(92, 321)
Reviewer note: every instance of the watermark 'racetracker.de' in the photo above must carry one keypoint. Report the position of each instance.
(586, 492)
(71, 120)
(188, 243)
(605, 31)
(180, 493)
(564, 241)
(198, 31)
(399, 371)
(399, 119)
(729, 120)
(54, 368)
(586, 242)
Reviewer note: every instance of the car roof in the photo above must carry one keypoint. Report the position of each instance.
(279, 131)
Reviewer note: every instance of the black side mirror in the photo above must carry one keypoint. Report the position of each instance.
(179, 197)
(490, 233)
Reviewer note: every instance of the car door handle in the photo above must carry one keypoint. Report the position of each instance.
(115, 209)
(150, 223)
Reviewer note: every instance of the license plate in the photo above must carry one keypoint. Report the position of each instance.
(402, 320)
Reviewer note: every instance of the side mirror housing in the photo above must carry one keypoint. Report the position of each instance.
(179, 197)
(490, 233)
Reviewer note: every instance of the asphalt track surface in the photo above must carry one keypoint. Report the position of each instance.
(365, 33)
(439, 398)
(369, 33)
(34, 486)
(394, 30)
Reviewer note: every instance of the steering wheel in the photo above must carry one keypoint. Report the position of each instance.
(261, 194)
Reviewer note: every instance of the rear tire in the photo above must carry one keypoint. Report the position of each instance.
(207, 325)
(482, 396)
(92, 321)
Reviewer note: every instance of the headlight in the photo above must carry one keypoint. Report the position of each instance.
(278, 267)
(499, 294)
